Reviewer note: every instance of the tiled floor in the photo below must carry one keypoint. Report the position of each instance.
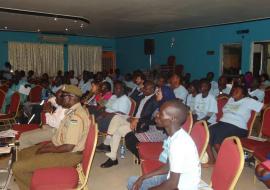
(115, 178)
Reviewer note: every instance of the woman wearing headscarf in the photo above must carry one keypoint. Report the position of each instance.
(154, 134)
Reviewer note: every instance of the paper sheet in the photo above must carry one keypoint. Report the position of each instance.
(24, 90)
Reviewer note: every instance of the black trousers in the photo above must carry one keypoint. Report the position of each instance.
(131, 143)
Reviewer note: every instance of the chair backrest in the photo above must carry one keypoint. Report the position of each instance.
(200, 135)
(229, 164)
(14, 103)
(221, 101)
(4, 87)
(251, 122)
(188, 124)
(267, 96)
(132, 107)
(2, 98)
(265, 129)
(88, 153)
(35, 94)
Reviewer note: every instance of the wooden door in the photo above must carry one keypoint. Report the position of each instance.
(108, 61)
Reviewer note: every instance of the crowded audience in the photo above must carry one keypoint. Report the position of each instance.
(137, 107)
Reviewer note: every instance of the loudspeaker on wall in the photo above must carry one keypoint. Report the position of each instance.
(149, 46)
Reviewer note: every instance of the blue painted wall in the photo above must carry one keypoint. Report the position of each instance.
(191, 46)
(107, 44)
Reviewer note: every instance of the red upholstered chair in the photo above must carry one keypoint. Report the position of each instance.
(2, 98)
(35, 94)
(221, 101)
(152, 150)
(23, 128)
(4, 88)
(189, 123)
(267, 96)
(12, 112)
(250, 143)
(199, 134)
(251, 122)
(62, 178)
(260, 153)
(228, 167)
(148, 166)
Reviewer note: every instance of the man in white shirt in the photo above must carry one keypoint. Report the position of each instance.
(205, 104)
(85, 82)
(255, 92)
(223, 87)
(214, 85)
(119, 103)
(53, 120)
(179, 90)
(182, 156)
(73, 80)
(121, 125)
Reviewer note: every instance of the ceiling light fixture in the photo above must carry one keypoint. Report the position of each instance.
(44, 14)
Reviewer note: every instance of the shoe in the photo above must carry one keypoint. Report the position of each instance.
(103, 148)
(109, 163)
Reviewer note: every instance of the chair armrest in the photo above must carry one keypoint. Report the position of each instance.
(257, 138)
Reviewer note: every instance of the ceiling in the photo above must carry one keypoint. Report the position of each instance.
(118, 18)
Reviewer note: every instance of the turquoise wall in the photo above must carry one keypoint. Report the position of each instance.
(191, 46)
(107, 44)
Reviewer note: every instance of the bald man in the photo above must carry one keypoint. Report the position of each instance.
(182, 169)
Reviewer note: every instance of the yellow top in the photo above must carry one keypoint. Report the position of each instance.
(73, 128)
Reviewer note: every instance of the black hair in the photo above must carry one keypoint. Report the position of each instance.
(243, 89)
(108, 85)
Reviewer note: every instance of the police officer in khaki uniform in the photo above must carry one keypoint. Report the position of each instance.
(66, 146)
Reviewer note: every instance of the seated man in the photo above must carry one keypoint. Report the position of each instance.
(121, 125)
(46, 132)
(205, 107)
(136, 93)
(255, 92)
(182, 170)
(119, 103)
(66, 146)
(179, 90)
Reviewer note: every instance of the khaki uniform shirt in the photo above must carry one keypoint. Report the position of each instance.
(73, 128)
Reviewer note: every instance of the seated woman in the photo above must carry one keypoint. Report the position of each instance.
(236, 114)
(163, 94)
(104, 95)
(262, 172)
(89, 98)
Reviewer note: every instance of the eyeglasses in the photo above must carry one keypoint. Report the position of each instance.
(64, 95)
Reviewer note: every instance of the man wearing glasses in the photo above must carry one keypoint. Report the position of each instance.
(66, 146)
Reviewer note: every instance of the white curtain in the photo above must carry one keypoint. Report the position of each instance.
(41, 58)
(82, 57)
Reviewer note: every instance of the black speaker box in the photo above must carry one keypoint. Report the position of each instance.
(149, 46)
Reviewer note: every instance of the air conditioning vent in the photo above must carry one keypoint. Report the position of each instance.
(53, 39)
